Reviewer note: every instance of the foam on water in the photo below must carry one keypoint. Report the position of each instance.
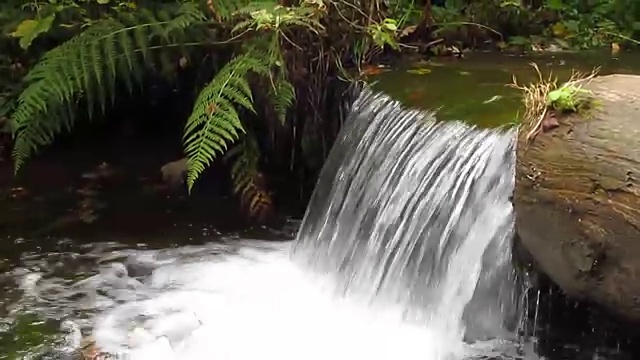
(404, 253)
(257, 304)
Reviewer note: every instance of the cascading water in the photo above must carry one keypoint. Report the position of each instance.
(416, 212)
(404, 251)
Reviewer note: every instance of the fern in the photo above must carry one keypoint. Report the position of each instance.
(224, 10)
(248, 181)
(214, 122)
(87, 68)
(281, 92)
(282, 95)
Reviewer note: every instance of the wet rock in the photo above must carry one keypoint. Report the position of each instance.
(577, 199)
(174, 173)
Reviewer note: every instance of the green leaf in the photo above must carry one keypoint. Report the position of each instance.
(30, 29)
(554, 95)
(518, 40)
(390, 24)
(84, 70)
(572, 25)
(555, 4)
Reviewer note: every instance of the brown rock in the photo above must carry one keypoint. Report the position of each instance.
(174, 173)
(577, 198)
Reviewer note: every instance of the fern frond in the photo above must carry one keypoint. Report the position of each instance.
(248, 182)
(188, 14)
(282, 95)
(87, 68)
(281, 92)
(224, 10)
(214, 122)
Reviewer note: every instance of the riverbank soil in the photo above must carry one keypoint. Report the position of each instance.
(577, 198)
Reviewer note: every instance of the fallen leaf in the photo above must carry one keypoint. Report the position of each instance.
(408, 30)
(86, 191)
(422, 71)
(372, 70)
(90, 350)
(18, 193)
(416, 95)
(615, 49)
(559, 30)
(492, 99)
(563, 44)
(183, 62)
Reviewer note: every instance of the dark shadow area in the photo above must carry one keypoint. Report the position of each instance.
(567, 328)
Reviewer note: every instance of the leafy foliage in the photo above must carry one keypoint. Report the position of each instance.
(225, 10)
(282, 95)
(214, 121)
(100, 48)
(89, 69)
(86, 69)
(278, 18)
(248, 181)
(30, 29)
(568, 97)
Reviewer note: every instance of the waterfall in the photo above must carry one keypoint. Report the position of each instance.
(404, 253)
(415, 212)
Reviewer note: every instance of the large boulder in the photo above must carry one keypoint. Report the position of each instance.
(577, 198)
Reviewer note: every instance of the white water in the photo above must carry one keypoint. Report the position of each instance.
(257, 304)
(404, 252)
(417, 213)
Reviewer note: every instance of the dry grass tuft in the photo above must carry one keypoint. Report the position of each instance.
(537, 104)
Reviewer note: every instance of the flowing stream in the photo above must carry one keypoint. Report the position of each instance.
(404, 253)
(415, 213)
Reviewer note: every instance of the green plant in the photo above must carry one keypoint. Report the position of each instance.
(384, 33)
(87, 68)
(544, 100)
(568, 97)
(87, 52)
(121, 49)
(247, 178)
(588, 24)
(214, 122)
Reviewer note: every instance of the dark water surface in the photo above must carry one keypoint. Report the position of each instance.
(474, 89)
(57, 224)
